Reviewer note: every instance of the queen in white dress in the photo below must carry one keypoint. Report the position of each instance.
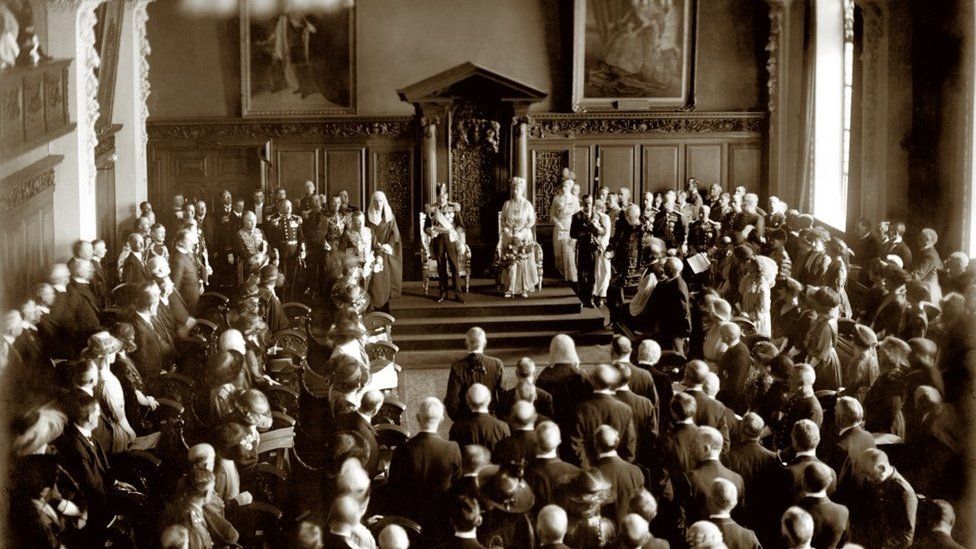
(561, 211)
(519, 275)
(601, 278)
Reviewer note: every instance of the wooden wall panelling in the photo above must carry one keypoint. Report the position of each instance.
(236, 169)
(391, 170)
(661, 168)
(545, 178)
(582, 159)
(619, 167)
(703, 161)
(745, 166)
(345, 170)
(27, 223)
(297, 163)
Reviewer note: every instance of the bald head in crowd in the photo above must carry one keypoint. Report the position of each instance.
(371, 403)
(393, 536)
(547, 437)
(430, 414)
(683, 408)
(648, 352)
(620, 349)
(635, 531)
(712, 384)
(523, 416)
(722, 497)
(708, 442)
(751, 427)
(552, 524)
(695, 372)
(478, 398)
(476, 340)
(525, 369)
(605, 378)
(343, 515)
(805, 436)
(606, 439)
(848, 412)
(797, 528)
(474, 458)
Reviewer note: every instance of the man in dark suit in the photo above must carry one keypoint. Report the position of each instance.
(805, 439)
(626, 478)
(603, 409)
(842, 456)
(103, 280)
(867, 247)
(134, 267)
(936, 518)
(641, 382)
(830, 520)
(361, 423)
(693, 492)
(154, 347)
(648, 356)
(85, 460)
(466, 518)
(478, 426)
(476, 367)
(584, 230)
(520, 446)
(679, 455)
(183, 269)
(884, 507)
(895, 245)
(343, 518)
(668, 313)
(802, 404)
(722, 499)
(733, 368)
(645, 416)
(230, 219)
(79, 318)
(423, 468)
(546, 471)
(709, 412)
(760, 469)
(525, 370)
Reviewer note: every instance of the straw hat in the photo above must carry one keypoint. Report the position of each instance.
(102, 344)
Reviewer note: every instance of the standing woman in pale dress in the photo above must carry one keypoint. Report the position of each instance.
(101, 350)
(756, 290)
(561, 211)
(601, 279)
(386, 283)
(517, 220)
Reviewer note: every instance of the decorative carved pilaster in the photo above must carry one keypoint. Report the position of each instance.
(548, 171)
(87, 67)
(140, 15)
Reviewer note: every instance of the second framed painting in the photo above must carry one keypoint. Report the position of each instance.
(634, 54)
(298, 62)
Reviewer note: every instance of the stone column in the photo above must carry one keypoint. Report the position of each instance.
(521, 127)
(429, 159)
(778, 67)
(71, 26)
(131, 110)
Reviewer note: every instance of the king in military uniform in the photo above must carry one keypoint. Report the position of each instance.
(287, 237)
(442, 225)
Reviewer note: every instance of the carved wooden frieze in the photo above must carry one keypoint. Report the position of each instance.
(18, 188)
(568, 126)
(401, 127)
(33, 106)
(548, 170)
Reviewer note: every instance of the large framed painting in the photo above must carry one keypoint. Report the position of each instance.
(298, 62)
(108, 34)
(634, 54)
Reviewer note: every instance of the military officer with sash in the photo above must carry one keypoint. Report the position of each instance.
(442, 225)
(288, 238)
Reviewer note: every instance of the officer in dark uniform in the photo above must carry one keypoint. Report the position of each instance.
(669, 224)
(442, 225)
(229, 221)
(703, 232)
(289, 240)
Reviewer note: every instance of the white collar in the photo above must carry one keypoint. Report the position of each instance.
(145, 316)
(137, 255)
(470, 534)
(611, 453)
(689, 421)
(89, 392)
(87, 433)
(810, 453)
(625, 387)
(845, 429)
(182, 250)
(603, 392)
(469, 475)
(720, 516)
(368, 419)
(77, 280)
(431, 431)
(546, 455)
(477, 352)
(341, 534)
(532, 428)
(60, 287)
(820, 494)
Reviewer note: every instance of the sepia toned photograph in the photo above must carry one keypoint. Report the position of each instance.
(487, 274)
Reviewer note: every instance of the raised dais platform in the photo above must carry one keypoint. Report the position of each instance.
(514, 324)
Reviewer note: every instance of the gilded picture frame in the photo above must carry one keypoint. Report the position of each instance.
(298, 64)
(634, 55)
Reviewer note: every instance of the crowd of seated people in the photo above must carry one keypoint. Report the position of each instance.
(784, 397)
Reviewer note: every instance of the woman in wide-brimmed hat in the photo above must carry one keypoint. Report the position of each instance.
(886, 397)
(582, 497)
(861, 372)
(821, 341)
(102, 350)
(508, 501)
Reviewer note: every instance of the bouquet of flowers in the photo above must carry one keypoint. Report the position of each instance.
(515, 251)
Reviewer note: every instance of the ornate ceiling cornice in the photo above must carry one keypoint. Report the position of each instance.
(580, 124)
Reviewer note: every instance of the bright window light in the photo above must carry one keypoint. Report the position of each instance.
(832, 130)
